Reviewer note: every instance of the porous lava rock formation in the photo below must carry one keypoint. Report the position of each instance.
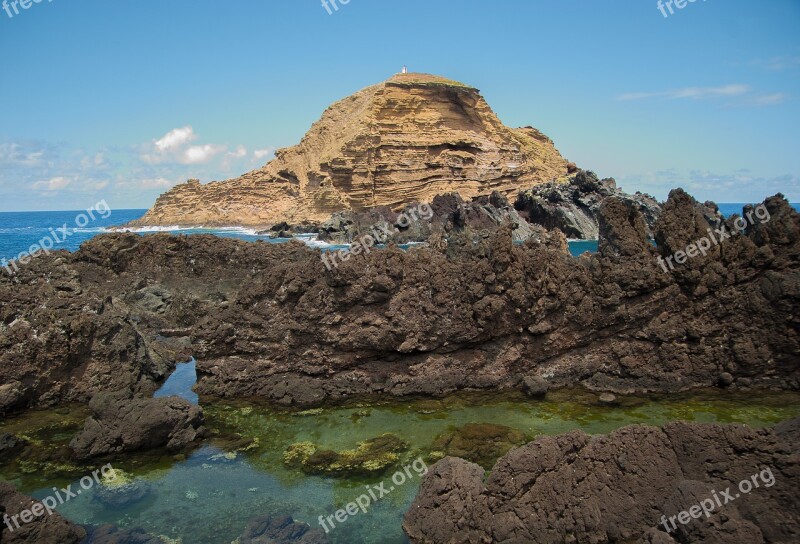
(271, 321)
(616, 488)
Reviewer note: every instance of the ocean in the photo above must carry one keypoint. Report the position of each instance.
(20, 230)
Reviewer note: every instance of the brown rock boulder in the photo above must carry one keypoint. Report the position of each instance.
(123, 424)
(616, 488)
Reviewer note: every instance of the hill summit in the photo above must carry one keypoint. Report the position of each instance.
(407, 139)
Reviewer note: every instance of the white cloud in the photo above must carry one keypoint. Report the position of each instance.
(155, 183)
(239, 153)
(52, 184)
(777, 64)
(175, 138)
(42, 175)
(199, 154)
(261, 153)
(694, 93)
(739, 186)
(769, 99)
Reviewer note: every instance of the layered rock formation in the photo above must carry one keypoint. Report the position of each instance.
(407, 139)
(616, 488)
(271, 321)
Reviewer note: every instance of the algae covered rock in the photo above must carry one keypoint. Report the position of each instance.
(481, 443)
(119, 489)
(369, 457)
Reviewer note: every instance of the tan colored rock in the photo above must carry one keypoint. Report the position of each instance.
(404, 140)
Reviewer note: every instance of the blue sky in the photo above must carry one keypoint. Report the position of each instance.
(121, 100)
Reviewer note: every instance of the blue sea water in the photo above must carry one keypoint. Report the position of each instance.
(20, 230)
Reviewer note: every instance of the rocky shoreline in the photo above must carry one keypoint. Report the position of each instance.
(270, 321)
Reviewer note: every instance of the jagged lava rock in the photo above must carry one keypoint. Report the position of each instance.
(574, 207)
(615, 488)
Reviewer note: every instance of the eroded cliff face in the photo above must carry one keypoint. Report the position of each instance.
(407, 139)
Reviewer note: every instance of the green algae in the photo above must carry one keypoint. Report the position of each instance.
(209, 495)
(481, 443)
(370, 457)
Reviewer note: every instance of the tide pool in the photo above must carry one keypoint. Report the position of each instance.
(239, 471)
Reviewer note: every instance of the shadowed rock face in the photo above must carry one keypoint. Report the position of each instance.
(121, 424)
(404, 140)
(574, 207)
(46, 528)
(615, 488)
(271, 321)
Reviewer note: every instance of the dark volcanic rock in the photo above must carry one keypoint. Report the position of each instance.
(271, 321)
(123, 424)
(615, 488)
(281, 530)
(10, 446)
(535, 386)
(574, 208)
(44, 529)
(110, 534)
(448, 215)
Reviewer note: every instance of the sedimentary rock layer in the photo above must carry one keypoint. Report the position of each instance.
(271, 321)
(616, 488)
(404, 140)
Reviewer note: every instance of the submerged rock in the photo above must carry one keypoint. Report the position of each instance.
(481, 443)
(10, 446)
(281, 530)
(372, 456)
(119, 490)
(111, 534)
(616, 488)
(122, 424)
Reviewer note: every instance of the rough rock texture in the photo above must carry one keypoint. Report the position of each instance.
(110, 534)
(270, 321)
(404, 140)
(574, 207)
(122, 424)
(447, 215)
(615, 488)
(46, 529)
(281, 530)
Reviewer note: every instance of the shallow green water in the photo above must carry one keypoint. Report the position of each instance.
(210, 496)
